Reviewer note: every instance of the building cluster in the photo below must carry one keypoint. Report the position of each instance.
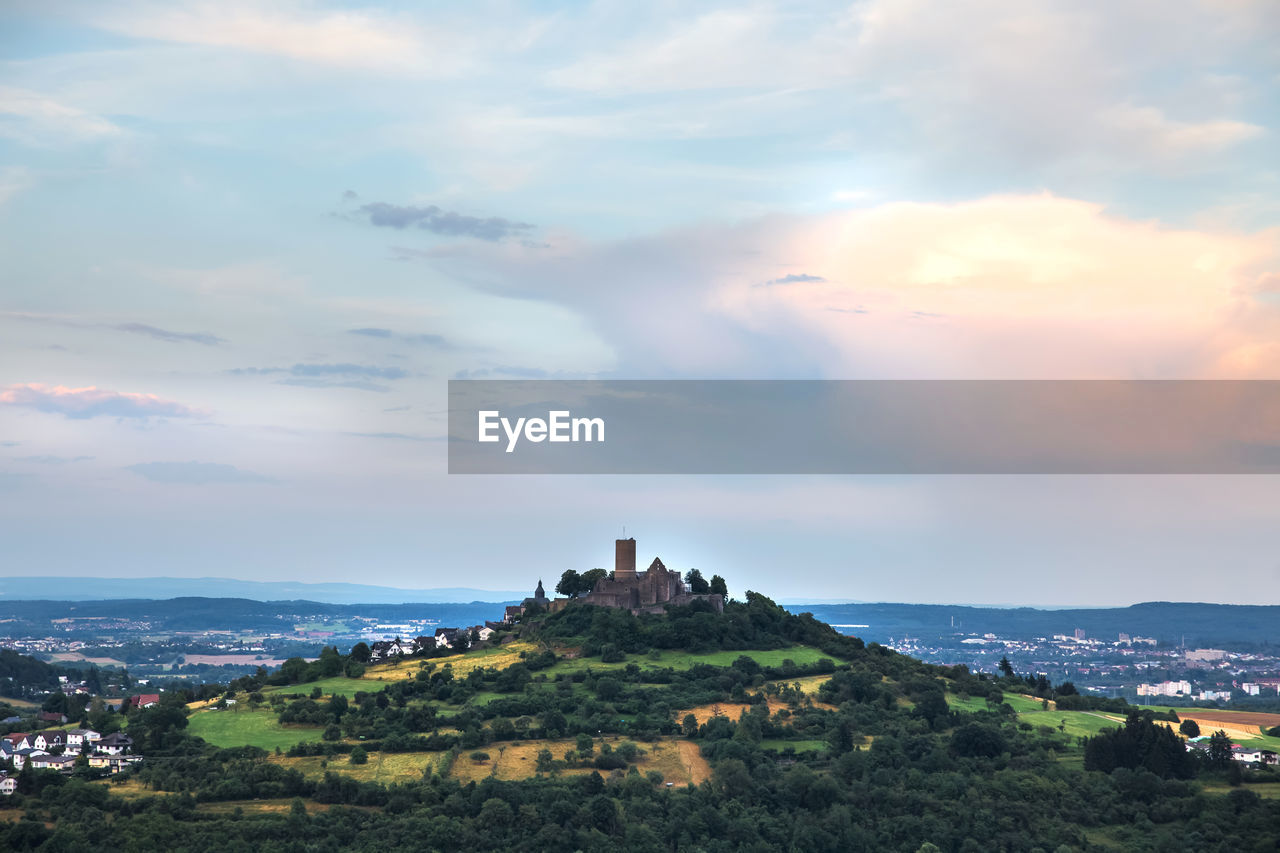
(1183, 688)
(1243, 754)
(443, 638)
(58, 749)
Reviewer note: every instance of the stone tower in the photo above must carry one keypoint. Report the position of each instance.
(624, 559)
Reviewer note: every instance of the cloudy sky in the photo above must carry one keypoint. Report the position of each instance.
(246, 245)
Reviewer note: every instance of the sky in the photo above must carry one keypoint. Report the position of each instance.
(244, 246)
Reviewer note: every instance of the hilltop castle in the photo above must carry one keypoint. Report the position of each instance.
(649, 591)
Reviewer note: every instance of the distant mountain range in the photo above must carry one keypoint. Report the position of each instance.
(1174, 622)
(101, 589)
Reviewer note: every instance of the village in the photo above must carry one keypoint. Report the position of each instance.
(63, 750)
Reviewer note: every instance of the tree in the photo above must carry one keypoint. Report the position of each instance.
(1190, 728)
(976, 740)
(570, 583)
(697, 583)
(1006, 668)
(1141, 743)
(932, 706)
(330, 663)
(718, 586)
(361, 653)
(1219, 749)
(590, 578)
(359, 755)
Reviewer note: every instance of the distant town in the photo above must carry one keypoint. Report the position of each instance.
(1136, 668)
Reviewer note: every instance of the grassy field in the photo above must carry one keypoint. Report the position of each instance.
(384, 767)
(971, 704)
(678, 761)
(279, 806)
(1266, 790)
(797, 745)
(239, 726)
(809, 684)
(338, 685)
(1075, 723)
(800, 655)
(499, 658)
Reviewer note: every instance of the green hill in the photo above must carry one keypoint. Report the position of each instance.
(592, 729)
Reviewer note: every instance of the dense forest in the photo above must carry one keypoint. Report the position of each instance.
(878, 757)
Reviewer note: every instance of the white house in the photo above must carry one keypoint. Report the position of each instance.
(49, 739)
(115, 744)
(21, 756)
(8, 785)
(78, 739)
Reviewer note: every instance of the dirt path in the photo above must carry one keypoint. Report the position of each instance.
(691, 758)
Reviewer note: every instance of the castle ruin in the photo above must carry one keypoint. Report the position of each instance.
(649, 591)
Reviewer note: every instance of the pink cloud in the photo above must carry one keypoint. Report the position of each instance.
(91, 402)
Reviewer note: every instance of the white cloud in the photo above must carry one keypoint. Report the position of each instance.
(999, 287)
(35, 119)
(1147, 129)
(337, 38)
(727, 48)
(1039, 81)
(13, 180)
